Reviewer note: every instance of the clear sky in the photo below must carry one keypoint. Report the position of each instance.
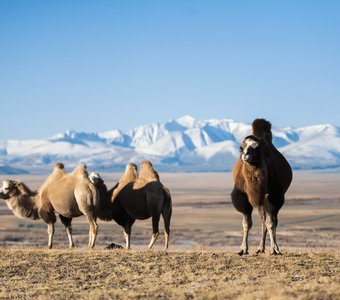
(99, 65)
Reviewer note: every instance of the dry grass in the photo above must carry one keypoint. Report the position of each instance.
(206, 233)
(109, 274)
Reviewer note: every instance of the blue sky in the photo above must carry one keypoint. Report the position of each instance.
(99, 65)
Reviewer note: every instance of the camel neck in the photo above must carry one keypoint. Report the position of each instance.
(104, 207)
(255, 184)
(25, 206)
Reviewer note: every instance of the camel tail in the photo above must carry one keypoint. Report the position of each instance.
(262, 128)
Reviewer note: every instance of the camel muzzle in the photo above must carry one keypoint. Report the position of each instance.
(4, 196)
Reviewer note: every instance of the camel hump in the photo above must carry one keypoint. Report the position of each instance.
(81, 171)
(262, 129)
(131, 173)
(147, 174)
(59, 166)
(58, 170)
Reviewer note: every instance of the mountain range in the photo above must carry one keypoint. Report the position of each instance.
(182, 144)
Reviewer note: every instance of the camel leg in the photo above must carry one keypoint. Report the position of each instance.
(261, 248)
(155, 231)
(127, 234)
(271, 223)
(247, 224)
(68, 228)
(166, 219)
(50, 232)
(93, 229)
(48, 216)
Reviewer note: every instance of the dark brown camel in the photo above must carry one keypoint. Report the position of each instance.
(261, 178)
(139, 198)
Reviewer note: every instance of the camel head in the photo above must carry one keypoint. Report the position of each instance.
(253, 150)
(95, 178)
(10, 188)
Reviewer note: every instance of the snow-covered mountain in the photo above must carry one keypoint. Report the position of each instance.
(184, 144)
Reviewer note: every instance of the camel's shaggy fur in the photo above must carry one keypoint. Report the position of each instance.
(261, 177)
(150, 199)
(21, 200)
(69, 195)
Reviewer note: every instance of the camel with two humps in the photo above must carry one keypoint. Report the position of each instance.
(261, 178)
(134, 198)
(70, 195)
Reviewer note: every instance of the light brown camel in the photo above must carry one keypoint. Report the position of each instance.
(138, 198)
(70, 196)
(21, 200)
(27, 204)
(261, 178)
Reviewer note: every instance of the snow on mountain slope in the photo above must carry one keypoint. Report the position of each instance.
(183, 144)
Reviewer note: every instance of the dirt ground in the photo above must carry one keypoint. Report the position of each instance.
(202, 261)
(30, 273)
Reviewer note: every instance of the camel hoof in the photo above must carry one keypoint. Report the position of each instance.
(242, 252)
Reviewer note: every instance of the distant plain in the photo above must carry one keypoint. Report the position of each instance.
(203, 216)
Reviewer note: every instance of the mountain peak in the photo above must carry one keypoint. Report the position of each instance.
(182, 144)
(186, 121)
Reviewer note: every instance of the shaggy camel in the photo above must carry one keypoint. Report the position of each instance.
(55, 195)
(70, 196)
(21, 200)
(261, 178)
(138, 198)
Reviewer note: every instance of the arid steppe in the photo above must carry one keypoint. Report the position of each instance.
(201, 262)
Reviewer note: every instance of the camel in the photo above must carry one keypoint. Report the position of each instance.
(138, 198)
(21, 200)
(261, 178)
(69, 195)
